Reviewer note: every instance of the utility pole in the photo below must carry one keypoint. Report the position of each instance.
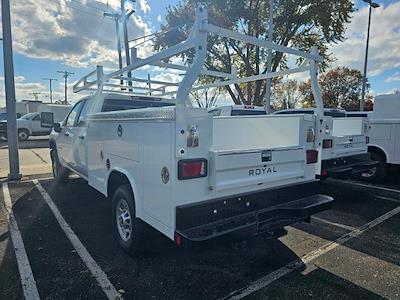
(12, 133)
(66, 74)
(123, 19)
(269, 58)
(371, 5)
(51, 90)
(36, 95)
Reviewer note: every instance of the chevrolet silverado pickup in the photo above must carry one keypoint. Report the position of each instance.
(172, 166)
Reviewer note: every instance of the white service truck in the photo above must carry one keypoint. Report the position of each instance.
(344, 150)
(344, 140)
(384, 134)
(173, 166)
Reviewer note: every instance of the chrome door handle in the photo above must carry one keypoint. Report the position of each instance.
(67, 133)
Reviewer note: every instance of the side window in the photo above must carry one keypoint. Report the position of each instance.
(36, 118)
(73, 115)
(82, 115)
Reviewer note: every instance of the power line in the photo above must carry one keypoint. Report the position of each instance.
(66, 74)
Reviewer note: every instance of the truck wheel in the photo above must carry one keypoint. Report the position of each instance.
(60, 173)
(377, 173)
(23, 134)
(128, 228)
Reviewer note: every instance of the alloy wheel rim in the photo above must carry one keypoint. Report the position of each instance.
(123, 219)
(22, 135)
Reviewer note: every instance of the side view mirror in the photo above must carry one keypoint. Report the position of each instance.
(57, 127)
(46, 119)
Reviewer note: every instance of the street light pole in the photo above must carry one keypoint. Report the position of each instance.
(371, 5)
(12, 133)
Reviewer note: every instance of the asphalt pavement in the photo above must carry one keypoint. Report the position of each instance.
(351, 251)
(34, 156)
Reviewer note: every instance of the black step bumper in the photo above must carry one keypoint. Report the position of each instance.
(251, 214)
(344, 167)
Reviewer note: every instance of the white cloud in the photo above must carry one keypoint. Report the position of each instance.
(384, 48)
(70, 31)
(393, 78)
(159, 18)
(144, 6)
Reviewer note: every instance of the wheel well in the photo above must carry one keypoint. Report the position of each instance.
(23, 129)
(115, 180)
(377, 150)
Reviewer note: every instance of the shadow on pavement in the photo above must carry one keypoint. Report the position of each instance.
(33, 142)
(316, 284)
(161, 270)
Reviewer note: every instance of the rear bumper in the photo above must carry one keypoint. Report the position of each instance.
(250, 214)
(344, 167)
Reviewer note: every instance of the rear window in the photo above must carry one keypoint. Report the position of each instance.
(334, 114)
(247, 112)
(215, 112)
(357, 115)
(294, 112)
(121, 104)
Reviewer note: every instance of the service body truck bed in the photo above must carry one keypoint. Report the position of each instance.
(179, 170)
(344, 149)
(384, 134)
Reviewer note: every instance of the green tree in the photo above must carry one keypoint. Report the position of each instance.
(340, 87)
(285, 94)
(299, 23)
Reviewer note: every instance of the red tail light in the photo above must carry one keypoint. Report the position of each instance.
(367, 139)
(192, 168)
(312, 156)
(327, 144)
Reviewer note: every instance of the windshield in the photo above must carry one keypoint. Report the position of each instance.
(3, 116)
(28, 116)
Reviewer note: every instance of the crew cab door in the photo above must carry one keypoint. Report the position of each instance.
(66, 138)
(36, 126)
(79, 142)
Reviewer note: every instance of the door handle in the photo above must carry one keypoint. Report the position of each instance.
(67, 133)
(82, 137)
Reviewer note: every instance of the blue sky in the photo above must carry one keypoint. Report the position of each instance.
(40, 52)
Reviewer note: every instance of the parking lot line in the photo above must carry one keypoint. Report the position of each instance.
(367, 186)
(346, 227)
(294, 265)
(387, 199)
(25, 272)
(90, 263)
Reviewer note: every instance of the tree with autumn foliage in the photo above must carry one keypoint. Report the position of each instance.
(300, 24)
(340, 87)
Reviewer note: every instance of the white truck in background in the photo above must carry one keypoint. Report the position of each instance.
(344, 141)
(30, 123)
(344, 150)
(384, 134)
(178, 169)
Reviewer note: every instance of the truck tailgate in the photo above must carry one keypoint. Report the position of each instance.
(349, 145)
(349, 136)
(266, 167)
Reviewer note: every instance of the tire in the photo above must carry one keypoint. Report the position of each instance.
(23, 134)
(379, 172)
(60, 173)
(128, 229)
